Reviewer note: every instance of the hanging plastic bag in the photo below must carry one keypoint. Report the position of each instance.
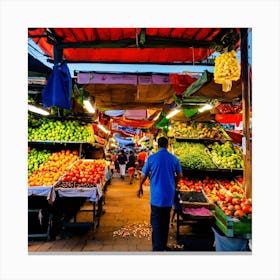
(57, 92)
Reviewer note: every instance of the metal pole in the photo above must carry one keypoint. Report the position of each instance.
(246, 141)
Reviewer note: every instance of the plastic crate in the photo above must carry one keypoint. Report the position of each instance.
(232, 227)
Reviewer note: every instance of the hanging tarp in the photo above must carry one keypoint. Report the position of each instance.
(134, 45)
(117, 96)
(123, 141)
(114, 113)
(133, 123)
(57, 91)
(205, 88)
(181, 82)
(136, 114)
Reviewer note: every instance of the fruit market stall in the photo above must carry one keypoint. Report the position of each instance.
(207, 153)
(54, 146)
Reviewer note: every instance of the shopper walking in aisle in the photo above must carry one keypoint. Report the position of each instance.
(142, 158)
(131, 166)
(122, 159)
(164, 170)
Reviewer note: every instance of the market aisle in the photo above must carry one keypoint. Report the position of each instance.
(122, 209)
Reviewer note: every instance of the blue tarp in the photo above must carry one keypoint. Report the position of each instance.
(58, 89)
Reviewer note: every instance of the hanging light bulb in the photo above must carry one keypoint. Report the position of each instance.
(38, 110)
(205, 108)
(173, 113)
(88, 104)
(157, 116)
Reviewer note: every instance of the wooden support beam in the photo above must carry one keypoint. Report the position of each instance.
(246, 113)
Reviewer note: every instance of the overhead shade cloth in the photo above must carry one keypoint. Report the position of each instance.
(57, 91)
(133, 123)
(114, 113)
(136, 114)
(130, 45)
(206, 88)
(122, 97)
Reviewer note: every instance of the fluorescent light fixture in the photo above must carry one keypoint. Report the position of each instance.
(89, 106)
(38, 110)
(205, 108)
(103, 128)
(157, 116)
(173, 113)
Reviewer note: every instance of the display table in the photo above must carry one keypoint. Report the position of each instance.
(47, 191)
(40, 211)
(70, 201)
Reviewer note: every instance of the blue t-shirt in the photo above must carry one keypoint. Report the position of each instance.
(162, 168)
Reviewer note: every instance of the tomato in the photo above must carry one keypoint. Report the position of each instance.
(230, 207)
(235, 201)
(228, 212)
(238, 213)
(247, 209)
(228, 199)
(237, 207)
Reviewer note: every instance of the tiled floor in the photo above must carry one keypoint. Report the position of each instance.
(123, 209)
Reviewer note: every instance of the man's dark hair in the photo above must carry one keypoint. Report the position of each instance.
(163, 142)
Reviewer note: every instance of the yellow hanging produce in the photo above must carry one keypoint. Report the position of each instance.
(226, 70)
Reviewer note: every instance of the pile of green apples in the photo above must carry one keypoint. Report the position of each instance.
(225, 155)
(36, 158)
(55, 130)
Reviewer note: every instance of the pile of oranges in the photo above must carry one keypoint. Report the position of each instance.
(50, 171)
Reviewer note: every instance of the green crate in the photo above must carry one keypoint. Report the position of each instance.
(230, 227)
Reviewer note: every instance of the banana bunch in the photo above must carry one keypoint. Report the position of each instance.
(226, 70)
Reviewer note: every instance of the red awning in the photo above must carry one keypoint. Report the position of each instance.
(133, 123)
(129, 45)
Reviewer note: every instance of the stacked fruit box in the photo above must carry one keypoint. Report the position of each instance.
(232, 226)
(84, 173)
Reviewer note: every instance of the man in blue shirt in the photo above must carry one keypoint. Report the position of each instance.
(163, 168)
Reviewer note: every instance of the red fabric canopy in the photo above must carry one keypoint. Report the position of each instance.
(133, 123)
(127, 50)
(181, 82)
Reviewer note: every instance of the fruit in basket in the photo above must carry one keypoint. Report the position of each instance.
(50, 130)
(189, 185)
(198, 130)
(231, 186)
(210, 187)
(192, 155)
(36, 158)
(84, 173)
(237, 208)
(49, 172)
(225, 155)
